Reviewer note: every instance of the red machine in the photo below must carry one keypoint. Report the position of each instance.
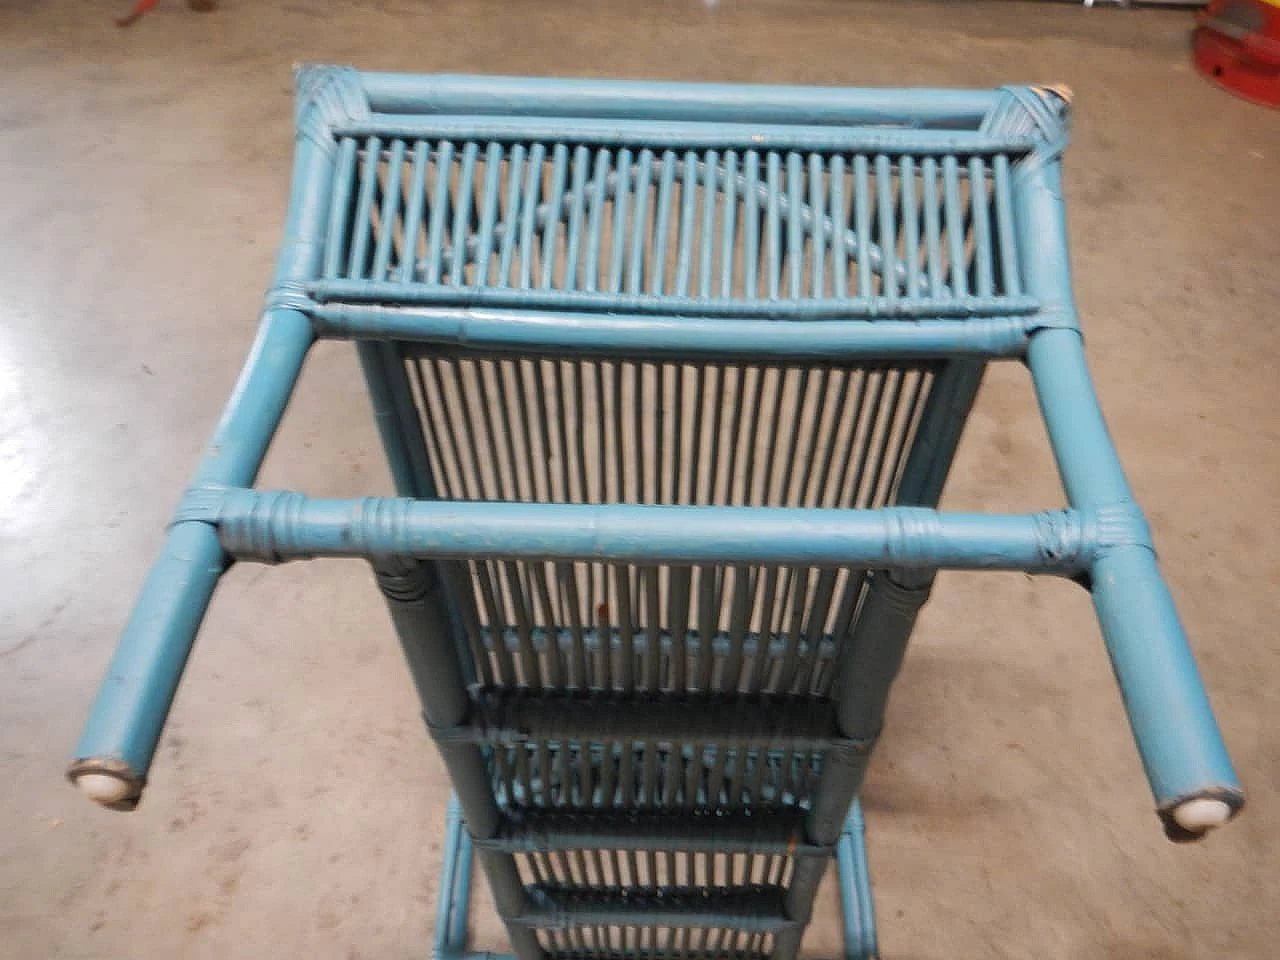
(1237, 46)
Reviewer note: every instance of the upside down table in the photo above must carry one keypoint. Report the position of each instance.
(669, 378)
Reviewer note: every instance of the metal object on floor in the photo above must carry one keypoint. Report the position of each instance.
(669, 378)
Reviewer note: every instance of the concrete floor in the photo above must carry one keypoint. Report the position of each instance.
(296, 806)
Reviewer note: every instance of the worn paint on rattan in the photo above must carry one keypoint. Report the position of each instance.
(669, 378)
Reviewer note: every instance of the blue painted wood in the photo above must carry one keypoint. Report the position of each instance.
(675, 306)
(707, 102)
(620, 334)
(559, 290)
(453, 899)
(285, 526)
(856, 902)
(679, 135)
(1169, 712)
(124, 726)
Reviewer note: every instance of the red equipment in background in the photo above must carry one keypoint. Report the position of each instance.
(142, 6)
(1237, 46)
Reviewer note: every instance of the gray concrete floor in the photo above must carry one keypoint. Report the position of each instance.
(296, 806)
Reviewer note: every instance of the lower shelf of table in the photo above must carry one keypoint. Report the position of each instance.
(857, 907)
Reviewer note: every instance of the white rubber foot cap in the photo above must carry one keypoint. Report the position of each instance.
(102, 788)
(1203, 814)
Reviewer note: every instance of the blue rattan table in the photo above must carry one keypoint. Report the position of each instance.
(669, 378)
